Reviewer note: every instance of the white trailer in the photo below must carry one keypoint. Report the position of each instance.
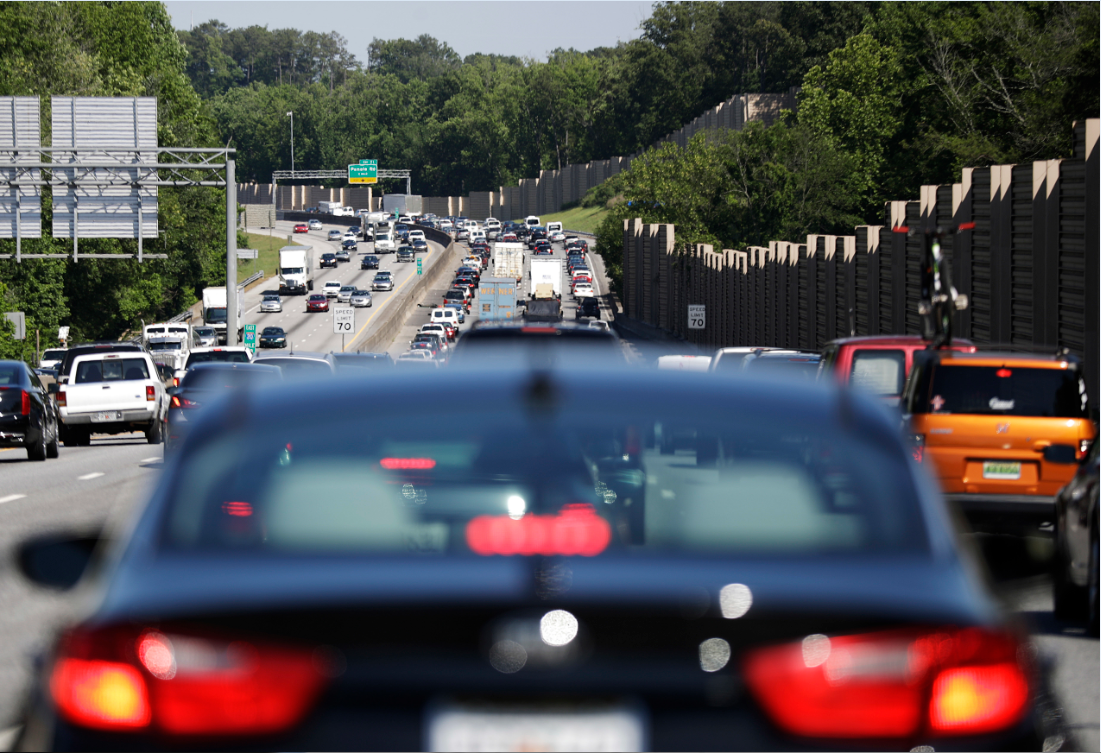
(215, 311)
(508, 260)
(296, 265)
(546, 275)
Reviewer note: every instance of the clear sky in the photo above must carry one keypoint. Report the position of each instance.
(526, 28)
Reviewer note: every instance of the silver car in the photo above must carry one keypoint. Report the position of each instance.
(382, 281)
(361, 298)
(335, 235)
(345, 294)
(204, 337)
(271, 304)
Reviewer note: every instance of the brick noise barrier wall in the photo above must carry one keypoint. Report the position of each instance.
(393, 320)
(1029, 268)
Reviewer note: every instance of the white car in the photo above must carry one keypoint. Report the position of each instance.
(416, 235)
(331, 289)
(446, 226)
(361, 299)
(556, 237)
(435, 328)
(272, 304)
(582, 290)
(315, 225)
(344, 295)
(382, 281)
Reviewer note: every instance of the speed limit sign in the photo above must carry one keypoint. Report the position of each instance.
(344, 321)
(697, 316)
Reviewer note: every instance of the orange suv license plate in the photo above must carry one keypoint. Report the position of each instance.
(1001, 470)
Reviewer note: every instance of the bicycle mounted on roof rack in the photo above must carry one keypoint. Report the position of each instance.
(939, 299)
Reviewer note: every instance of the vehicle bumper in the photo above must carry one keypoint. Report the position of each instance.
(14, 431)
(1005, 513)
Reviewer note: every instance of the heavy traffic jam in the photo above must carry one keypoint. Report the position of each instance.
(521, 526)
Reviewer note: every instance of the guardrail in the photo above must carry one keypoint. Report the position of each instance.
(249, 280)
(184, 317)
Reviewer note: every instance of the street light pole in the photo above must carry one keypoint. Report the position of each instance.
(292, 139)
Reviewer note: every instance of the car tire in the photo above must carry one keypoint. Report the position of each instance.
(155, 433)
(51, 446)
(37, 451)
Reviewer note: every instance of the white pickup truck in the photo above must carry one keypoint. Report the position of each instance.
(112, 393)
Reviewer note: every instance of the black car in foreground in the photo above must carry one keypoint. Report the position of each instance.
(204, 384)
(1076, 562)
(28, 417)
(533, 573)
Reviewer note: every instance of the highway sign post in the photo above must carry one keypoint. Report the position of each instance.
(250, 337)
(365, 172)
(419, 267)
(697, 318)
(344, 323)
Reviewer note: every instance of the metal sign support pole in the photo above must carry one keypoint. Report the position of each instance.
(231, 252)
(18, 209)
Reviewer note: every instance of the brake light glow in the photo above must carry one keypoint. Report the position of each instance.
(125, 679)
(1003, 373)
(576, 530)
(237, 509)
(917, 447)
(25, 403)
(407, 464)
(175, 401)
(100, 694)
(894, 684)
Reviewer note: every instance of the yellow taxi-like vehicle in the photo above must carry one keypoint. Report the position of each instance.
(1001, 431)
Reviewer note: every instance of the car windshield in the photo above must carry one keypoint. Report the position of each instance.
(572, 479)
(796, 367)
(271, 298)
(169, 345)
(215, 316)
(53, 354)
(224, 356)
(227, 378)
(272, 331)
(291, 270)
(299, 366)
(1006, 391)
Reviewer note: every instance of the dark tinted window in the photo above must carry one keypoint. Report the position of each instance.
(299, 366)
(1001, 391)
(215, 316)
(11, 375)
(796, 367)
(219, 356)
(880, 372)
(215, 379)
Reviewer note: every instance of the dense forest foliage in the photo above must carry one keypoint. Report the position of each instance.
(892, 95)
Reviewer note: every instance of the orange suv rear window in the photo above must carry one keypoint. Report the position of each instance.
(1003, 391)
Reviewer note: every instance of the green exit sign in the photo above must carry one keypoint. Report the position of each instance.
(365, 172)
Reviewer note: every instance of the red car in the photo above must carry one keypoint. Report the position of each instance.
(317, 302)
(301, 228)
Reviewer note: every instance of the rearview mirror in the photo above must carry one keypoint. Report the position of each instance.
(1060, 453)
(58, 560)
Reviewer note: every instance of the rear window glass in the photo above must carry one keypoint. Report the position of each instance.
(1005, 391)
(880, 372)
(112, 370)
(219, 356)
(300, 366)
(792, 367)
(636, 482)
(214, 379)
(729, 362)
(11, 375)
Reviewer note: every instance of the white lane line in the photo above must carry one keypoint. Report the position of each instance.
(11, 498)
(150, 460)
(88, 476)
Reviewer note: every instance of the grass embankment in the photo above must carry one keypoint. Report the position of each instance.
(582, 219)
(268, 258)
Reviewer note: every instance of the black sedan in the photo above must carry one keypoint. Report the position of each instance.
(531, 572)
(329, 260)
(28, 417)
(204, 384)
(1075, 578)
(369, 262)
(273, 337)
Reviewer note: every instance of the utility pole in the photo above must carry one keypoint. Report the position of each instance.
(291, 114)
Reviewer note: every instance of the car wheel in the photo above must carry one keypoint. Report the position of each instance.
(37, 451)
(155, 433)
(51, 446)
(1091, 589)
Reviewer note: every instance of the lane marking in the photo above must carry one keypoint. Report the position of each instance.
(11, 498)
(150, 460)
(88, 476)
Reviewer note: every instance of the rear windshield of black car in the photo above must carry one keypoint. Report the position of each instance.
(637, 479)
(1004, 391)
(221, 356)
(11, 375)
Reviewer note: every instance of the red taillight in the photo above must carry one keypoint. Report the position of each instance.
(576, 530)
(917, 447)
(175, 401)
(1003, 373)
(119, 679)
(25, 403)
(61, 399)
(150, 393)
(175, 381)
(893, 684)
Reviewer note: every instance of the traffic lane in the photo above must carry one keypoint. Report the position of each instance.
(313, 331)
(79, 491)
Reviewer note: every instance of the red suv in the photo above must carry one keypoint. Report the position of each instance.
(877, 363)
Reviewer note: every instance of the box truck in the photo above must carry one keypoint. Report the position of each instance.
(508, 260)
(497, 298)
(296, 269)
(546, 278)
(215, 313)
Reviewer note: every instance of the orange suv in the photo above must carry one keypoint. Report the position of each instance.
(1001, 431)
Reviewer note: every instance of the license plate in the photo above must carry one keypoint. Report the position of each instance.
(1001, 470)
(515, 728)
(103, 417)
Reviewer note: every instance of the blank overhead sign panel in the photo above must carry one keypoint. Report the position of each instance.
(116, 198)
(20, 207)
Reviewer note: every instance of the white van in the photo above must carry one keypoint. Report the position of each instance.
(554, 227)
(492, 223)
(532, 221)
(477, 235)
(445, 315)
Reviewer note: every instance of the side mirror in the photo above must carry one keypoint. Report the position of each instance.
(57, 561)
(1060, 453)
(171, 391)
(52, 389)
